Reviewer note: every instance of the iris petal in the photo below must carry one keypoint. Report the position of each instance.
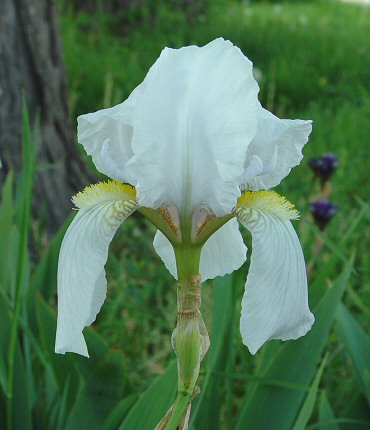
(278, 144)
(275, 302)
(81, 277)
(192, 126)
(107, 134)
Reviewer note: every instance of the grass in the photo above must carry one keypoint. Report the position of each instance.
(314, 63)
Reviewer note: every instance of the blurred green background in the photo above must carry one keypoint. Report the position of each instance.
(312, 61)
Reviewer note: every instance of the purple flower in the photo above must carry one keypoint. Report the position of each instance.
(323, 211)
(324, 166)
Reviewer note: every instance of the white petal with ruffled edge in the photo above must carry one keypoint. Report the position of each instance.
(81, 277)
(223, 252)
(275, 302)
(277, 146)
(192, 126)
(106, 135)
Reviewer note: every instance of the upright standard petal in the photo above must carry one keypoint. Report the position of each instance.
(193, 123)
(106, 135)
(274, 151)
(275, 302)
(223, 252)
(81, 277)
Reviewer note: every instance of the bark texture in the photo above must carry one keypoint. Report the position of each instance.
(31, 62)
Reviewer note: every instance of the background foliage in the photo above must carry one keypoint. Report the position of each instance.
(313, 61)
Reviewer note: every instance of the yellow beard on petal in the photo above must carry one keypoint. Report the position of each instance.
(267, 202)
(103, 191)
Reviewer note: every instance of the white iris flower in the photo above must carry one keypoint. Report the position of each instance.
(193, 150)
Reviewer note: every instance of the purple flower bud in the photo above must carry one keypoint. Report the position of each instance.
(324, 166)
(323, 211)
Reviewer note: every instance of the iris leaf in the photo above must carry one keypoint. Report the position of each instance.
(153, 403)
(295, 362)
(207, 405)
(357, 344)
(326, 415)
(309, 403)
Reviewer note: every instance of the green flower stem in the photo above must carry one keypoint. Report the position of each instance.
(187, 262)
(187, 337)
(190, 339)
(178, 411)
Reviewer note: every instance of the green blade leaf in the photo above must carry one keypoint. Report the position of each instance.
(103, 389)
(326, 415)
(99, 383)
(153, 405)
(309, 403)
(6, 224)
(356, 415)
(23, 219)
(210, 386)
(21, 402)
(316, 287)
(117, 415)
(295, 362)
(357, 343)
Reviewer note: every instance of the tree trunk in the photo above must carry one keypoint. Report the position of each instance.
(31, 63)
